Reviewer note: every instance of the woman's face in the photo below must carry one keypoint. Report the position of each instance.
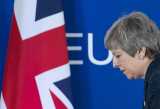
(132, 67)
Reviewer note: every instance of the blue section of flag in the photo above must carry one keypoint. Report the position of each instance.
(101, 86)
(46, 8)
(6, 9)
(65, 87)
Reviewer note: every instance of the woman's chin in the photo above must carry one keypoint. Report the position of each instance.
(131, 77)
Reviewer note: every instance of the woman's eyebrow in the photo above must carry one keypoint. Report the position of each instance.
(116, 52)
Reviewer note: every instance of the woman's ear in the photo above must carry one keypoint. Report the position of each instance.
(141, 53)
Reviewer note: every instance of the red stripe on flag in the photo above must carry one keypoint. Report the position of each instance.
(57, 102)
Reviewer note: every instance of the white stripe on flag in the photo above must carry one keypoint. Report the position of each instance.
(61, 96)
(2, 103)
(25, 18)
(45, 83)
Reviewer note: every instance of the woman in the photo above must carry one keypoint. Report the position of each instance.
(135, 44)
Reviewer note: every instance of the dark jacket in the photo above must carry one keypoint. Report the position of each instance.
(152, 85)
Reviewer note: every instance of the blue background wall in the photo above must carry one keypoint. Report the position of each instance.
(6, 8)
(101, 86)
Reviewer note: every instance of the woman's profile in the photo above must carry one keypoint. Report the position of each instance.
(134, 41)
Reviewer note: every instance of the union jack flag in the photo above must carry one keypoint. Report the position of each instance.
(37, 73)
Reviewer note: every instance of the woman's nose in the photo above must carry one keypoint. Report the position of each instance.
(115, 62)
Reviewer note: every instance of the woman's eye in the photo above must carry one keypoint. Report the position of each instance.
(118, 56)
